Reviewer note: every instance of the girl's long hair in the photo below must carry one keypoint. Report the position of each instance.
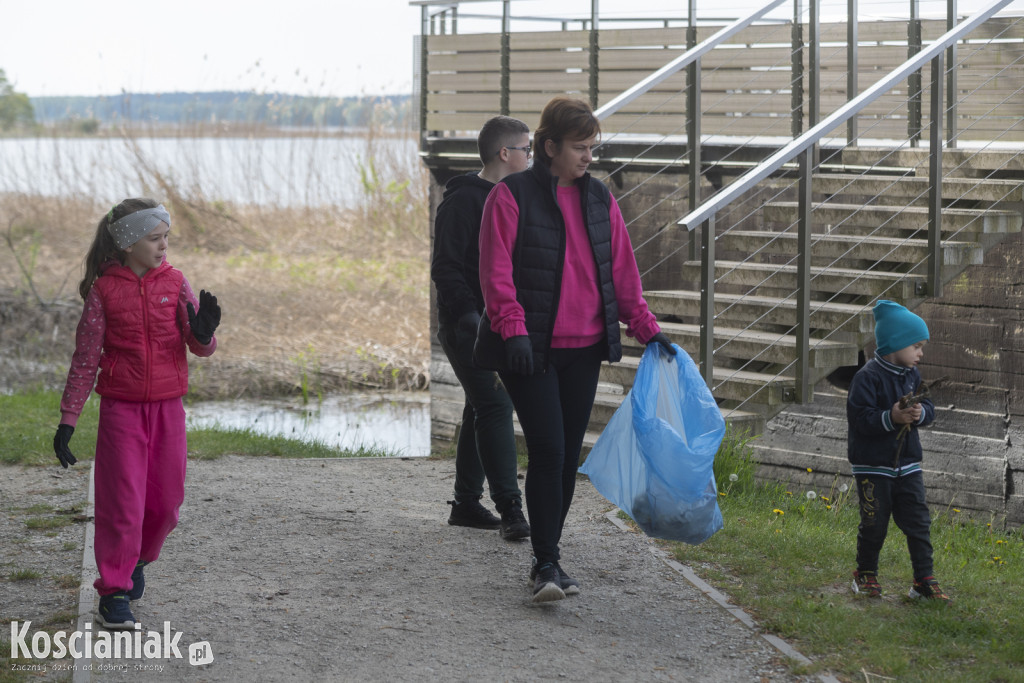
(103, 248)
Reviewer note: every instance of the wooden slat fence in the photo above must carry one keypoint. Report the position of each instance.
(745, 84)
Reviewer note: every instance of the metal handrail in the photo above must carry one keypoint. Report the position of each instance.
(802, 147)
(747, 181)
(682, 61)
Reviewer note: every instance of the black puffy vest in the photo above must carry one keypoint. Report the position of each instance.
(539, 255)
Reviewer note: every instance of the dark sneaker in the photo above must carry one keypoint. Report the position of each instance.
(114, 612)
(569, 585)
(138, 583)
(514, 526)
(928, 588)
(472, 514)
(866, 583)
(546, 586)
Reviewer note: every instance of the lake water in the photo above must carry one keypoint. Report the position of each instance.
(399, 422)
(284, 171)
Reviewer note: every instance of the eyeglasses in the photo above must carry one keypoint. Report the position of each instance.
(526, 149)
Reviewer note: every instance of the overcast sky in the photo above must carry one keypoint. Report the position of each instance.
(305, 47)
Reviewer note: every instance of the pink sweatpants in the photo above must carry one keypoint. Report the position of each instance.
(140, 484)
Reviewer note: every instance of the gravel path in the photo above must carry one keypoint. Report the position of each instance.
(346, 570)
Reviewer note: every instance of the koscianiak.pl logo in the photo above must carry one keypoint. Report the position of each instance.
(125, 650)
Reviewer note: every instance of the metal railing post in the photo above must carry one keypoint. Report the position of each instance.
(693, 119)
(506, 67)
(594, 55)
(707, 301)
(951, 93)
(851, 66)
(935, 181)
(803, 278)
(914, 126)
(796, 103)
(424, 71)
(814, 64)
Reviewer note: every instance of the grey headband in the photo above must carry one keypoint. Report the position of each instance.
(129, 229)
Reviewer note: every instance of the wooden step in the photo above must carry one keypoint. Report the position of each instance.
(962, 161)
(899, 286)
(605, 406)
(762, 347)
(733, 385)
(856, 217)
(750, 310)
(830, 248)
(915, 187)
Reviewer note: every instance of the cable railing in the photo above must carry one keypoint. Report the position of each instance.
(772, 101)
(802, 149)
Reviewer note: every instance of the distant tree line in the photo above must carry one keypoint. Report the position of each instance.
(15, 107)
(265, 109)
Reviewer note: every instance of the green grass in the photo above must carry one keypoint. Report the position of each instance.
(788, 559)
(31, 417)
(23, 575)
(29, 422)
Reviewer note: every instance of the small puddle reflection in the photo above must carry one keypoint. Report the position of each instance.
(399, 422)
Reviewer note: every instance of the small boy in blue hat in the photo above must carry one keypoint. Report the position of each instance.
(884, 449)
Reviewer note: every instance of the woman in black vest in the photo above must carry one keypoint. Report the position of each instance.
(558, 275)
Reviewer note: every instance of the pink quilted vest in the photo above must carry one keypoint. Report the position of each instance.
(144, 348)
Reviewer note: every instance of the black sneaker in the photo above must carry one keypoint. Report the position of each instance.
(546, 586)
(472, 514)
(569, 585)
(114, 612)
(514, 526)
(138, 582)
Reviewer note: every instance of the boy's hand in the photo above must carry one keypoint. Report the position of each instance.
(905, 416)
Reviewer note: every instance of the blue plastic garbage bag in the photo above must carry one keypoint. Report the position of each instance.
(655, 458)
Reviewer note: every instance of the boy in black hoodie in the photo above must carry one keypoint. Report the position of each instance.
(885, 453)
(486, 445)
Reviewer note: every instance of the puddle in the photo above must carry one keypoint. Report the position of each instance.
(399, 422)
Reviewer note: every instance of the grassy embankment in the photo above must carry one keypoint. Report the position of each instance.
(787, 556)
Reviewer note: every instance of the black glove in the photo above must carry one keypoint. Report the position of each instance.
(465, 336)
(666, 345)
(60, 445)
(519, 354)
(205, 322)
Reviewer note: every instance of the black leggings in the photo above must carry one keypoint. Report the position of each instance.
(554, 409)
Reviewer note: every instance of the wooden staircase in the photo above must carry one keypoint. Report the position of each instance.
(869, 242)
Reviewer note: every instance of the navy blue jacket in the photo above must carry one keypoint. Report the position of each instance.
(872, 436)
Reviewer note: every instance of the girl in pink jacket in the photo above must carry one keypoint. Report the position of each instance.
(139, 316)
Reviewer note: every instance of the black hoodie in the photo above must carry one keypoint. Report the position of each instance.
(455, 265)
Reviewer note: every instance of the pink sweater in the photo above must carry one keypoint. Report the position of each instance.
(579, 321)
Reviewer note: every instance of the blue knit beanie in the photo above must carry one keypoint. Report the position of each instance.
(896, 328)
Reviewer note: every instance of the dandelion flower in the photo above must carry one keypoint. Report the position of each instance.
(811, 495)
(789, 493)
(844, 488)
(1000, 542)
(778, 512)
(722, 493)
(956, 510)
(734, 477)
(825, 498)
(828, 507)
(809, 469)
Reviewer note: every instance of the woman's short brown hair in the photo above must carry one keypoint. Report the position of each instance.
(564, 118)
